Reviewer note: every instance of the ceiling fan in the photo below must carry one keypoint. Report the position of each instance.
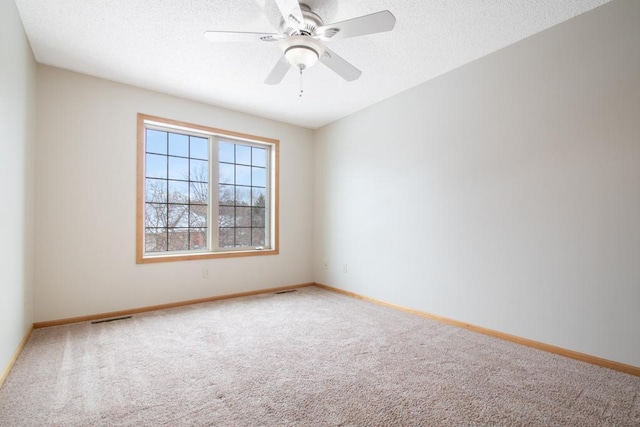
(301, 36)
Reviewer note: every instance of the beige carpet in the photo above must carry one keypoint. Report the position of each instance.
(304, 358)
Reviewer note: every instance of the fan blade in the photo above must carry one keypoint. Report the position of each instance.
(340, 66)
(234, 36)
(375, 23)
(277, 74)
(291, 12)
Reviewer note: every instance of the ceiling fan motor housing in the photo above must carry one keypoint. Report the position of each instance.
(307, 28)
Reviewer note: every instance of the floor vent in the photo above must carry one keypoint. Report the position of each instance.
(286, 292)
(113, 319)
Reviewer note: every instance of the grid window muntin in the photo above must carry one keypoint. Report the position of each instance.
(176, 210)
(243, 194)
(267, 170)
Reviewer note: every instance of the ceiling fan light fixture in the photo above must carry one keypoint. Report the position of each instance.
(302, 51)
(301, 57)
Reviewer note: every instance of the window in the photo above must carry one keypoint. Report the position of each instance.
(204, 192)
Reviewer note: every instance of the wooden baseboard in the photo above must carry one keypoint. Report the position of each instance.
(617, 366)
(132, 311)
(12, 361)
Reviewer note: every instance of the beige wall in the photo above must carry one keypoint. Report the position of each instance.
(86, 198)
(505, 194)
(17, 122)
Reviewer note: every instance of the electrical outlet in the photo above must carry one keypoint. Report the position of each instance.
(205, 273)
(344, 268)
(326, 264)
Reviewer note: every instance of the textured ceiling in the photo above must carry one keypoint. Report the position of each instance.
(158, 45)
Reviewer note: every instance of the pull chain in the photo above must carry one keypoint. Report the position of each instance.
(301, 88)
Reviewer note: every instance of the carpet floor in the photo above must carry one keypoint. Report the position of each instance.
(305, 358)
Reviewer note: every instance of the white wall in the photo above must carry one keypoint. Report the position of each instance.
(505, 194)
(86, 197)
(17, 121)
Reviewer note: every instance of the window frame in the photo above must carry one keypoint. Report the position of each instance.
(144, 120)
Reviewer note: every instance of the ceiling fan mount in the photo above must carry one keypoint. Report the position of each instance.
(302, 34)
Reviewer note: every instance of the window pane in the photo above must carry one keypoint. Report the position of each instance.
(226, 152)
(197, 216)
(199, 193)
(178, 215)
(243, 237)
(258, 216)
(226, 174)
(243, 196)
(178, 192)
(226, 195)
(199, 148)
(156, 190)
(226, 239)
(243, 217)
(258, 157)
(156, 166)
(198, 238)
(155, 239)
(178, 168)
(257, 237)
(178, 145)
(199, 170)
(155, 215)
(258, 197)
(243, 175)
(226, 217)
(243, 154)
(156, 141)
(259, 177)
(178, 239)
